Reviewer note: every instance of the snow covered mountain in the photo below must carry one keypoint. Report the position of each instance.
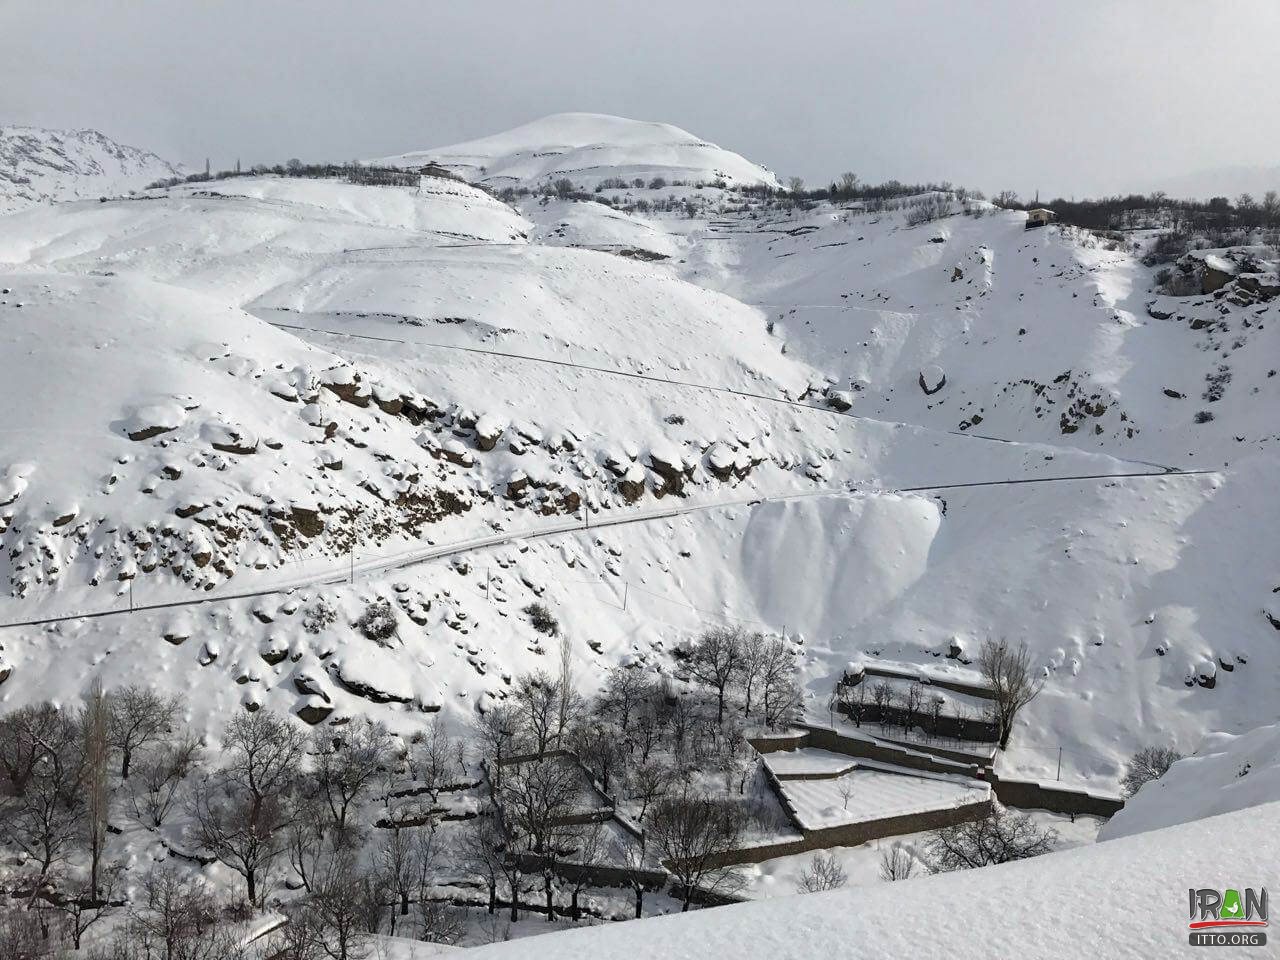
(39, 165)
(245, 413)
(588, 148)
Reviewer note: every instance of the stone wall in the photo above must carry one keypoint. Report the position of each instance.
(854, 834)
(1030, 795)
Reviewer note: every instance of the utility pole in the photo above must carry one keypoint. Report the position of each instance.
(488, 583)
(1059, 776)
(626, 587)
(131, 579)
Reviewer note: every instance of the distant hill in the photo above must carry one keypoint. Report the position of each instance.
(39, 165)
(587, 148)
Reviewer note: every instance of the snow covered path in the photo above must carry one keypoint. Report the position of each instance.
(382, 565)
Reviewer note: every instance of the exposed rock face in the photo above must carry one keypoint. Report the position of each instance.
(314, 710)
(840, 400)
(932, 379)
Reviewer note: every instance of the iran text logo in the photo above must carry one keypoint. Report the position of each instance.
(1227, 918)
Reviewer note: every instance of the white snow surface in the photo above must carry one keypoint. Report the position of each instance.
(588, 148)
(1122, 899)
(1228, 772)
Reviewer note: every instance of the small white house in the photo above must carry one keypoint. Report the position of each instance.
(1040, 217)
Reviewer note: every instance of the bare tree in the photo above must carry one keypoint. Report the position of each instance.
(138, 717)
(844, 786)
(397, 861)
(754, 657)
(41, 806)
(564, 684)
(305, 840)
(154, 790)
(650, 780)
(21, 935)
(716, 659)
(598, 744)
(1149, 763)
(434, 757)
(624, 691)
(338, 904)
(535, 797)
(536, 700)
(823, 873)
(781, 694)
(896, 863)
(590, 846)
(95, 756)
(83, 904)
(1008, 673)
(496, 730)
(693, 834)
(996, 838)
(240, 810)
(480, 850)
(345, 766)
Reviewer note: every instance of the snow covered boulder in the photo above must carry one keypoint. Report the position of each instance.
(840, 400)
(932, 379)
(670, 466)
(489, 430)
(313, 710)
(14, 481)
(230, 438)
(153, 420)
(631, 483)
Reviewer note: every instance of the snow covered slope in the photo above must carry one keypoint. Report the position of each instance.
(1125, 899)
(587, 148)
(1226, 773)
(37, 165)
(327, 381)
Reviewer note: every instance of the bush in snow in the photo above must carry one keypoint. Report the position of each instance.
(543, 620)
(896, 864)
(378, 622)
(823, 873)
(996, 838)
(318, 616)
(1149, 763)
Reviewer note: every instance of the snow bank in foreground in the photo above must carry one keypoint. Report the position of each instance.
(1121, 899)
(1227, 773)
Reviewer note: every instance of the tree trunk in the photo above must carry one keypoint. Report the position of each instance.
(126, 758)
(574, 911)
(251, 879)
(493, 897)
(404, 903)
(639, 902)
(546, 886)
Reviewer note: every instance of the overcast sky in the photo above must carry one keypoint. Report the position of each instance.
(1072, 97)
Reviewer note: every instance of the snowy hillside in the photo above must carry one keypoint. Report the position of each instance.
(588, 148)
(38, 165)
(1124, 899)
(327, 451)
(1226, 773)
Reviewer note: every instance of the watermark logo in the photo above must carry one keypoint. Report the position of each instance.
(1227, 918)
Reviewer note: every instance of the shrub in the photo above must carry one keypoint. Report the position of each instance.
(318, 616)
(1149, 763)
(543, 620)
(996, 838)
(378, 622)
